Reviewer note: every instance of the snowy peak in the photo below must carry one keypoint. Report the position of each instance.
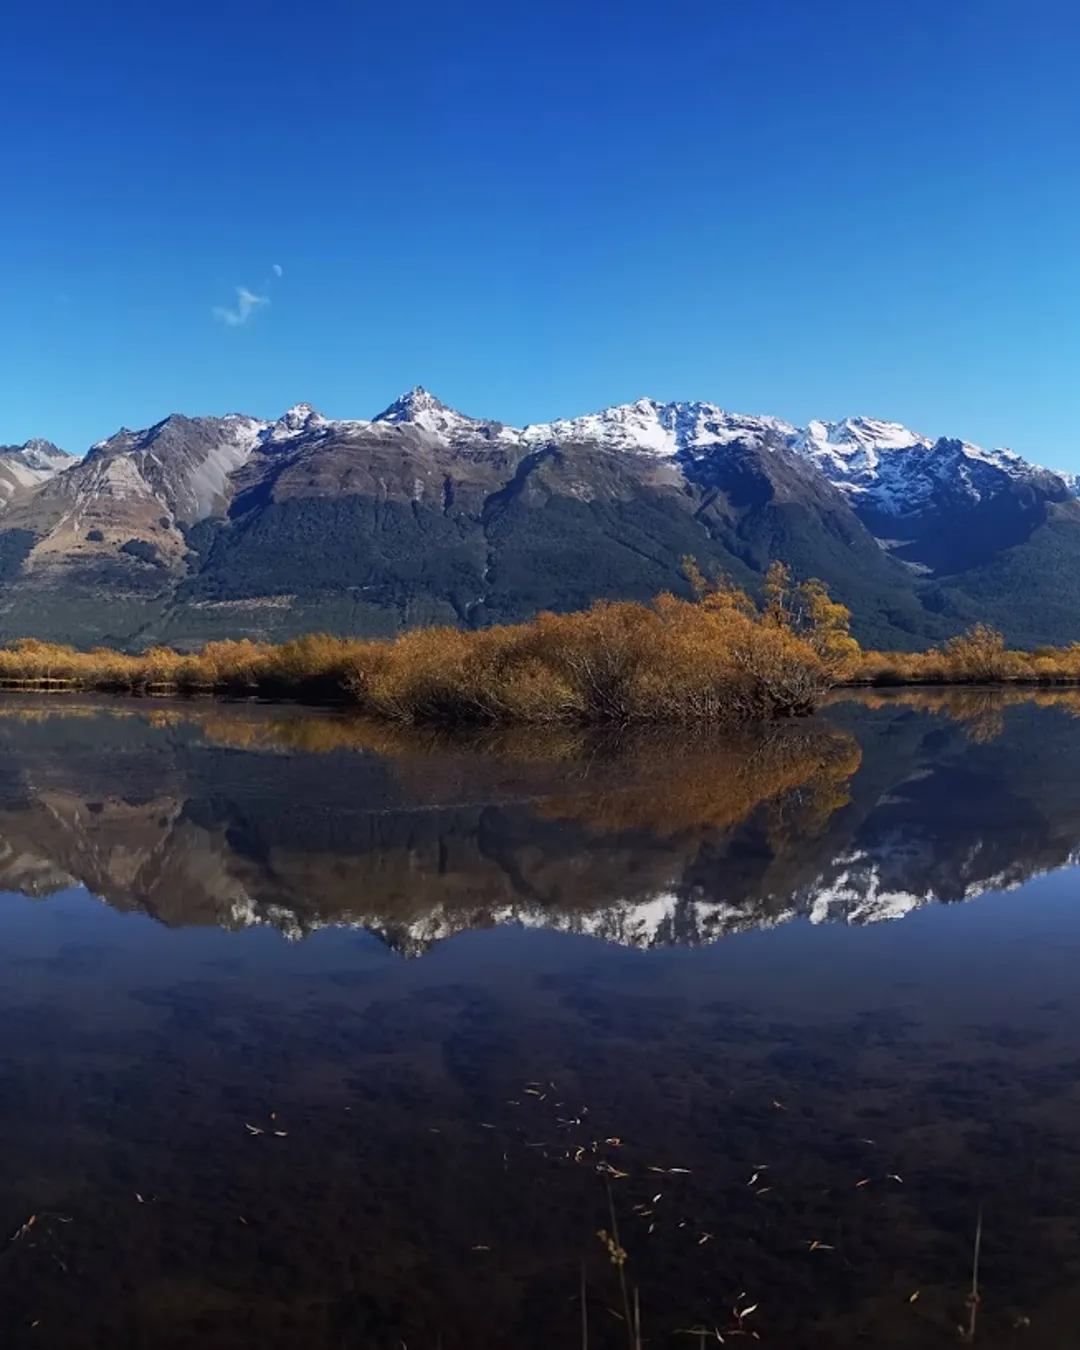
(414, 404)
(665, 429)
(41, 456)
(296, 421)
(889, 469)
(630, 426)
(856, 437)
(27, 465)
(420, 409)
(859, 454)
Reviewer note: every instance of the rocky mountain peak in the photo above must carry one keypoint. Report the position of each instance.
(38, 455)
(411, 405)
(421, 409)
(299, 416)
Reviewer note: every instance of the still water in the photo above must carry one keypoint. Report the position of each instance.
(317, 1034)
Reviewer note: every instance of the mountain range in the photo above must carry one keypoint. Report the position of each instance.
(206, 527)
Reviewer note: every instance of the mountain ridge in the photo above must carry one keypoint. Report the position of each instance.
(199, 527)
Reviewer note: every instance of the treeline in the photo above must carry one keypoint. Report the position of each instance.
(719, 657)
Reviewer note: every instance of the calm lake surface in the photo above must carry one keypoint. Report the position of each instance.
(318, 1034)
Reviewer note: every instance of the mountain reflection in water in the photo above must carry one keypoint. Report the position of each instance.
(231, 1140)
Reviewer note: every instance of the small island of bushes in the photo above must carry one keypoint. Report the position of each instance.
(719, 657)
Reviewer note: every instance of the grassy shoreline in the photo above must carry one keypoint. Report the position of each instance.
(721, 658)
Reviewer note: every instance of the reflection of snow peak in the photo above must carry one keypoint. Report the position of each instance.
(854, 894)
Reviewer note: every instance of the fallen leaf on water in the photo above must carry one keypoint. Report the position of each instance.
(485, 1126)
(656, 1197)
(705, 1237)
(481, 1248)
(282, 1134)
(764, 1190)
(816, 1246)
(606, 1169)
(253, 1129)
(914, 1298)
(865, 1182)
(893, 1176)
(779, 1105)
(240, 1219)
(139, 1198)
(651, 1227)
(679, 1171)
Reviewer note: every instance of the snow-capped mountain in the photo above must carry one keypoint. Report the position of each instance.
(26, 466)
(878, 464)
(236, 525)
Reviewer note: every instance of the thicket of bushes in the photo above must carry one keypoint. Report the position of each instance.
(720, 657)
(978, 656)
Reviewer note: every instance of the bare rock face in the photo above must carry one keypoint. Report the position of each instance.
(206, 527)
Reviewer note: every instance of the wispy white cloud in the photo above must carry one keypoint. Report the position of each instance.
(246, 304)
(278, 270)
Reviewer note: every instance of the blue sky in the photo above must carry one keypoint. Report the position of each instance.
(803, 207)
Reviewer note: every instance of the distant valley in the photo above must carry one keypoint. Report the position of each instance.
(207, 527)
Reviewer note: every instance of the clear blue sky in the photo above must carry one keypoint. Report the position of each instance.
(804, 207)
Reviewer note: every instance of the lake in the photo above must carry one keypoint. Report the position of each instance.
(324, 1034)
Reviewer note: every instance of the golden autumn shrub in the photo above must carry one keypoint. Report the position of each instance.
(718, 657)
